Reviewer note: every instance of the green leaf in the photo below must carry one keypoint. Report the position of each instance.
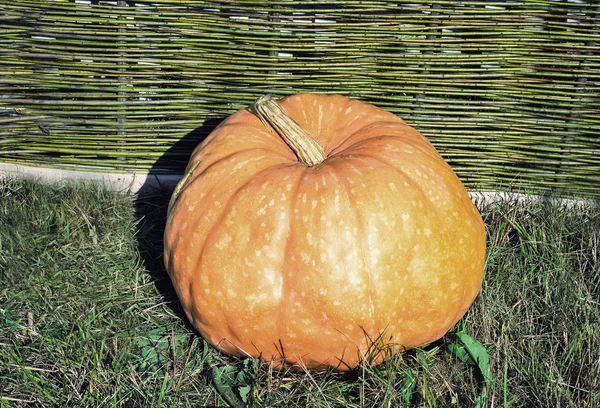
(235, 384)
(471, 352)
(408, 387)
(461, 352)
(245, 392)
(478, 353)
(244, 379)
(224, 379)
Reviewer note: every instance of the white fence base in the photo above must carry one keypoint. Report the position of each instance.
(133, 183)
(142, 183)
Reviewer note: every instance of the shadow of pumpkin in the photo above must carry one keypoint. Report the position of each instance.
(151, 210)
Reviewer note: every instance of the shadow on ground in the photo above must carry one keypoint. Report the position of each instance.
(151, 210)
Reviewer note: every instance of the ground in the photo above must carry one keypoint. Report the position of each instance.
(88, 317)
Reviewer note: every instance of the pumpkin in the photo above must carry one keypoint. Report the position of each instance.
(321, 231)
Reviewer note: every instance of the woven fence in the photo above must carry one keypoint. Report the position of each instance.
(508, 91)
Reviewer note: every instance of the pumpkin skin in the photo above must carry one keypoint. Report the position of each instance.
(375, 250)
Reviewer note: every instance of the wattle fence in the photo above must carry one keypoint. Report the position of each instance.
(508, 91)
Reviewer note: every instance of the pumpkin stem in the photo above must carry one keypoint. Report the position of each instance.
(299, 140)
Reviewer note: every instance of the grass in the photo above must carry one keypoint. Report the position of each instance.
(88, 317)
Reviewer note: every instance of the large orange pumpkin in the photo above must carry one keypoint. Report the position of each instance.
(367, 245)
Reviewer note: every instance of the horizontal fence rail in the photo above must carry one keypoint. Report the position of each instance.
(508, 91)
